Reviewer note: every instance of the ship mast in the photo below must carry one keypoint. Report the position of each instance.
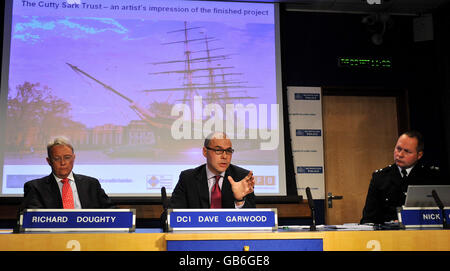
(217, 90)
(144, 114)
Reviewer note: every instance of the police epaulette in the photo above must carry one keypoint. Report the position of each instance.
(381, 169)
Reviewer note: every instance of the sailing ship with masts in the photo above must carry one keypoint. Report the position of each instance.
(204, 76)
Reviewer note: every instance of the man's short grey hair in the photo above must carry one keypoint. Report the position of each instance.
(60, 140)
(211, 136)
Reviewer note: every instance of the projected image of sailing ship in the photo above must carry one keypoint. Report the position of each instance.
(220, 82)
(206, 75)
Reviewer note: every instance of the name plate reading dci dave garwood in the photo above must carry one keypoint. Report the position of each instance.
(222, 219)
(64, 220)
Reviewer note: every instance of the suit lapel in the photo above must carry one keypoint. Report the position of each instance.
(396, 177)
(202, 187)
(413, 175)
(400, 185)
(80, 190)
(227, 193)
(54, 190)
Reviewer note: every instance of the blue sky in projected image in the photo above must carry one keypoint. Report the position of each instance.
(119, 52)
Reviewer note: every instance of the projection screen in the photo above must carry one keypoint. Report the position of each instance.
(136, 86)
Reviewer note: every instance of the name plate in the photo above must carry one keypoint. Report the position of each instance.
(222, 219)
(421, 217)
(65, 220)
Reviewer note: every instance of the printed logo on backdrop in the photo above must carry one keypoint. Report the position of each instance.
(265, 183)
(265, 180)
(308, 132)
(307, 96)
(158, 181)
(305, 117)
(310, 170)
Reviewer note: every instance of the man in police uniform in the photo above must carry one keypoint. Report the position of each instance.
(388, 186)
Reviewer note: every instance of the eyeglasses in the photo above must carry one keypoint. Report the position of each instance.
(65, 158)
(220, 151)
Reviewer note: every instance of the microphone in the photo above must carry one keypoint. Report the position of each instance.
(310, 199)
(165, 205)
(438, 202)
(164, 198)
(312, 207)
(437, 199)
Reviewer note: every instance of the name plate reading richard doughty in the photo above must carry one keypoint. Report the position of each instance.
(65, 220)
(422, 217)
(222, 219)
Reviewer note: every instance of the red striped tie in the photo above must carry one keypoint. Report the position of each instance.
(216, 194)
(67, 196)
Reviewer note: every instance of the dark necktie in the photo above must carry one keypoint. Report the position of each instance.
(404, 185)
(216, 194)
(404, 174)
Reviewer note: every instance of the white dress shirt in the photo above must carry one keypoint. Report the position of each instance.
(408, 170)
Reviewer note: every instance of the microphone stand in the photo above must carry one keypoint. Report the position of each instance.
(313, 225)
(165, 207)
(441, 207)
(313, 209)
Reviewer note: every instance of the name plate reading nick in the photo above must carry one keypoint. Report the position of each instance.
(222, 219)
(422, 217)
(65, 220)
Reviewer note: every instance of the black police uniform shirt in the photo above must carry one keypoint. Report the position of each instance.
(387, 190)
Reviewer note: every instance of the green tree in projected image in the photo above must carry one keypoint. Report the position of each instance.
(34, 115)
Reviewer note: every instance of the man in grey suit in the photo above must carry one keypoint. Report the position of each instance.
(196, 187)
(47, 192)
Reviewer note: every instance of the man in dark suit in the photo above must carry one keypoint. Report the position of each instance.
(388, 186)
(51, 191)
(196, 188)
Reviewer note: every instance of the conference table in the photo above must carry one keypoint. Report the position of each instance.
(282, 239)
